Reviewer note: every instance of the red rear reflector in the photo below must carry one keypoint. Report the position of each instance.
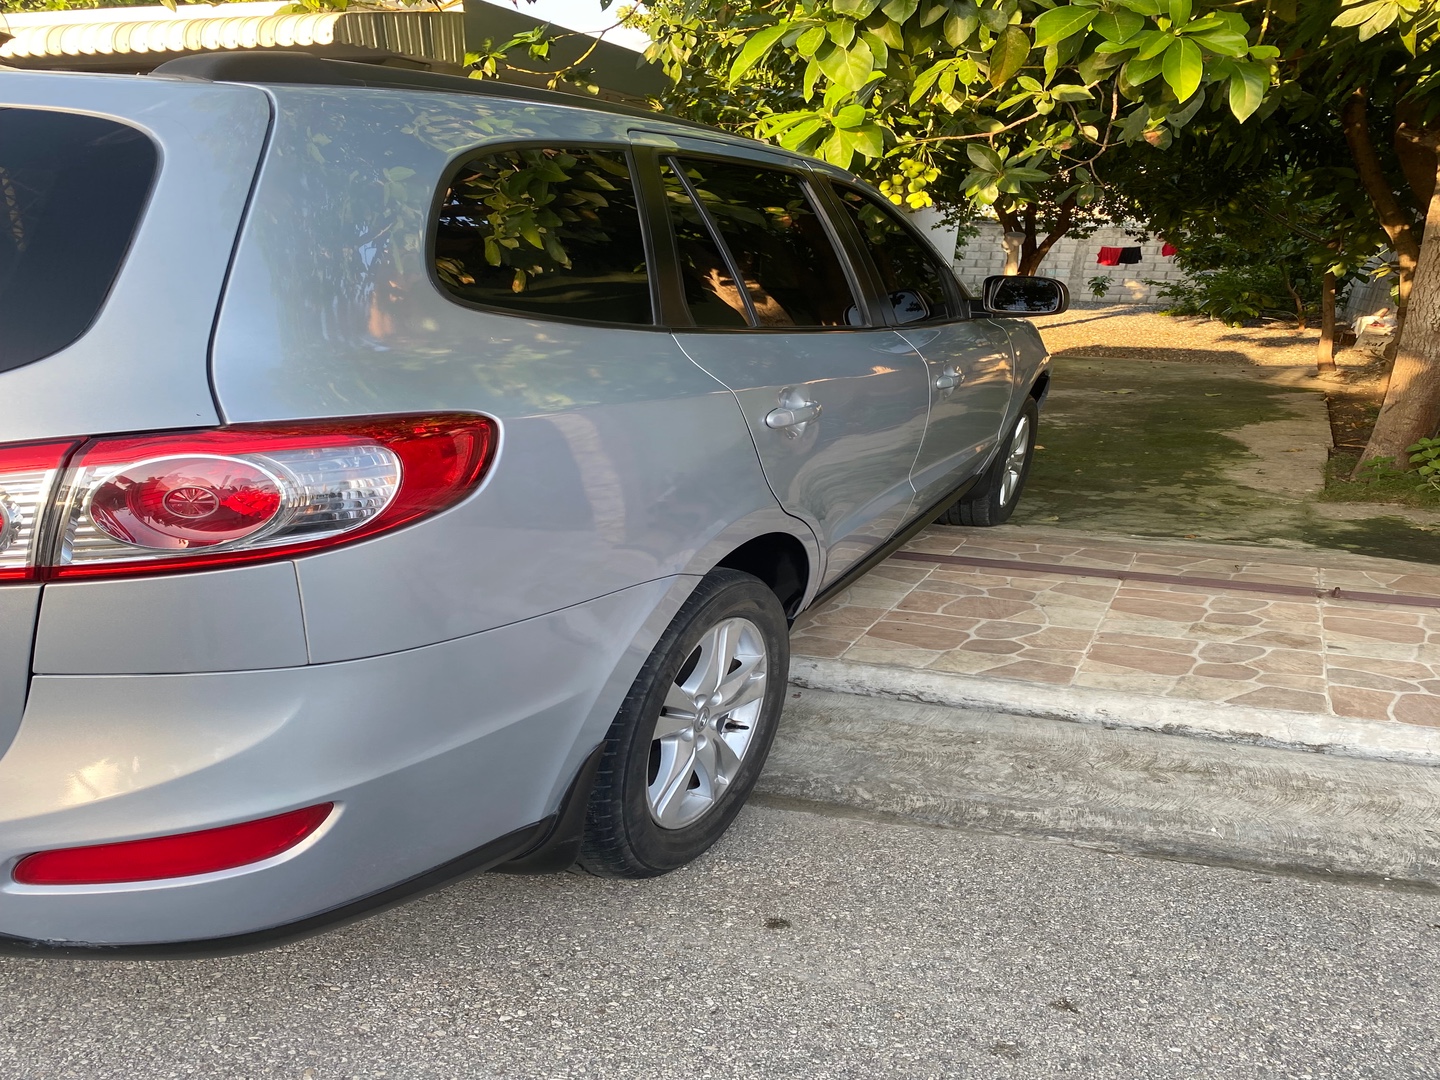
(183, 855)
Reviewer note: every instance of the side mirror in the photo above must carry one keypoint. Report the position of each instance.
(1024, 296)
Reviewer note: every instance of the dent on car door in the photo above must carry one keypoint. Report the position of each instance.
(837, 409)
(969, 362)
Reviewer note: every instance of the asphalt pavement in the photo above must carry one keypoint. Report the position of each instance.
(805, 945)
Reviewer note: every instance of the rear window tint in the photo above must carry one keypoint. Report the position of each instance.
(546, 232)
(72, 189)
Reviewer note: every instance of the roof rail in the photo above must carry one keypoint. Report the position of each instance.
(306, 69)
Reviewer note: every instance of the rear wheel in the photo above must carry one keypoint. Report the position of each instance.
(691, 737)
(993, 499)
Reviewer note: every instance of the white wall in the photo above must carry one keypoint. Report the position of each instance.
(1073, 262)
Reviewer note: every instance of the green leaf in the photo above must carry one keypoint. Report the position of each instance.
(1224, 42)
(1143, 7)
(1359, 13)
(812, 76)
(1071, 92)
(926, 79)
(870, 140)
(1179, 12)
(984, 159)
(850, 117)
(850, 68)
(1029, 176)
(1183, 68)
(839, 148)
(958, 29)
(1118, 25)
(856, 9)
(1135, 123)
(1138, 72)
(1151, 43)
(1183, 115)
(932, 14)
(899, 10)
(1059, 23)
(1247, 89)
(878, 49)
(811, 40)
(797, 136)
(1008, 56)
(755, 49)
(842, 32)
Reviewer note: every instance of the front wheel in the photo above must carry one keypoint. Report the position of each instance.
(692, 735)
(993, 499)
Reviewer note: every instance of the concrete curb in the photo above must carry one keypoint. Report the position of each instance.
(1382, 740)
(1107, 788)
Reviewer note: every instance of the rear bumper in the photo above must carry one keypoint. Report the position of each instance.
(440, 760)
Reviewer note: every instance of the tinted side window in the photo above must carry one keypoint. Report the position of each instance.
(72, 189)
(793, 277)
(711, 293)
(910, 270)
(546, 232)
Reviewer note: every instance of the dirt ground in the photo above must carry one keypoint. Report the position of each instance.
(1185, 427)
(1125, 334)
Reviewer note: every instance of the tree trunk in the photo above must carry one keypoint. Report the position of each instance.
(1034, 253)
(1011, 242)
(1325, 350)
(1412, 400)
(1297, 300)
(1393, 218)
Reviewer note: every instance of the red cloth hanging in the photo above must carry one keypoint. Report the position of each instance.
(1168, 250)
(1109, 256)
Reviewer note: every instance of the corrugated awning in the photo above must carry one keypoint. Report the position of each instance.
(434, 36)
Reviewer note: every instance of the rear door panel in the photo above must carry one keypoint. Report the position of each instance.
(847, 473)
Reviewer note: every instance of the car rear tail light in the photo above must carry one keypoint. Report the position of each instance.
(141, 504)
(181, 855)
(28, 473)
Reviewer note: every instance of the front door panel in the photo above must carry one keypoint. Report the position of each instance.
(971, 374)
(845, 469)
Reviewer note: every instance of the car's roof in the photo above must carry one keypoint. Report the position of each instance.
(299, 68)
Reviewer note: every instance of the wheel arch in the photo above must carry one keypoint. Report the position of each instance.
(781, 561)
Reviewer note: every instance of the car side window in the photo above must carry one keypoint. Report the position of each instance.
(910, 271)
(546, 232)
(711, 294)
(776, 241)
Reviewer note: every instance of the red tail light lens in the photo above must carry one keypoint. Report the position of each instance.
(153, 503)
(182, 855)
(176, 503)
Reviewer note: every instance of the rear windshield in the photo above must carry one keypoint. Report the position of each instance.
(72, 189)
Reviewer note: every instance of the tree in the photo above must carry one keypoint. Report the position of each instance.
(1013, 104)
(1384, 56)
(1260, 213)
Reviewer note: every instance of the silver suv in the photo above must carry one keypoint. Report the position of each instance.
(402, 476)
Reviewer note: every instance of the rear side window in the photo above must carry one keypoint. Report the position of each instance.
(792, 274)
(546, 232)
(72, 189)
(910, 271)
(711, 294)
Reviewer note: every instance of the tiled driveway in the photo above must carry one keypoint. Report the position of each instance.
(1251, 626)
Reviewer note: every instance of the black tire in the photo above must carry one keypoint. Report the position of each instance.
(623, 837)
(988, 502)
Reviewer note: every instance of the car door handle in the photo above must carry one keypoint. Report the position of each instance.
(950, 378)
(802, 413)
